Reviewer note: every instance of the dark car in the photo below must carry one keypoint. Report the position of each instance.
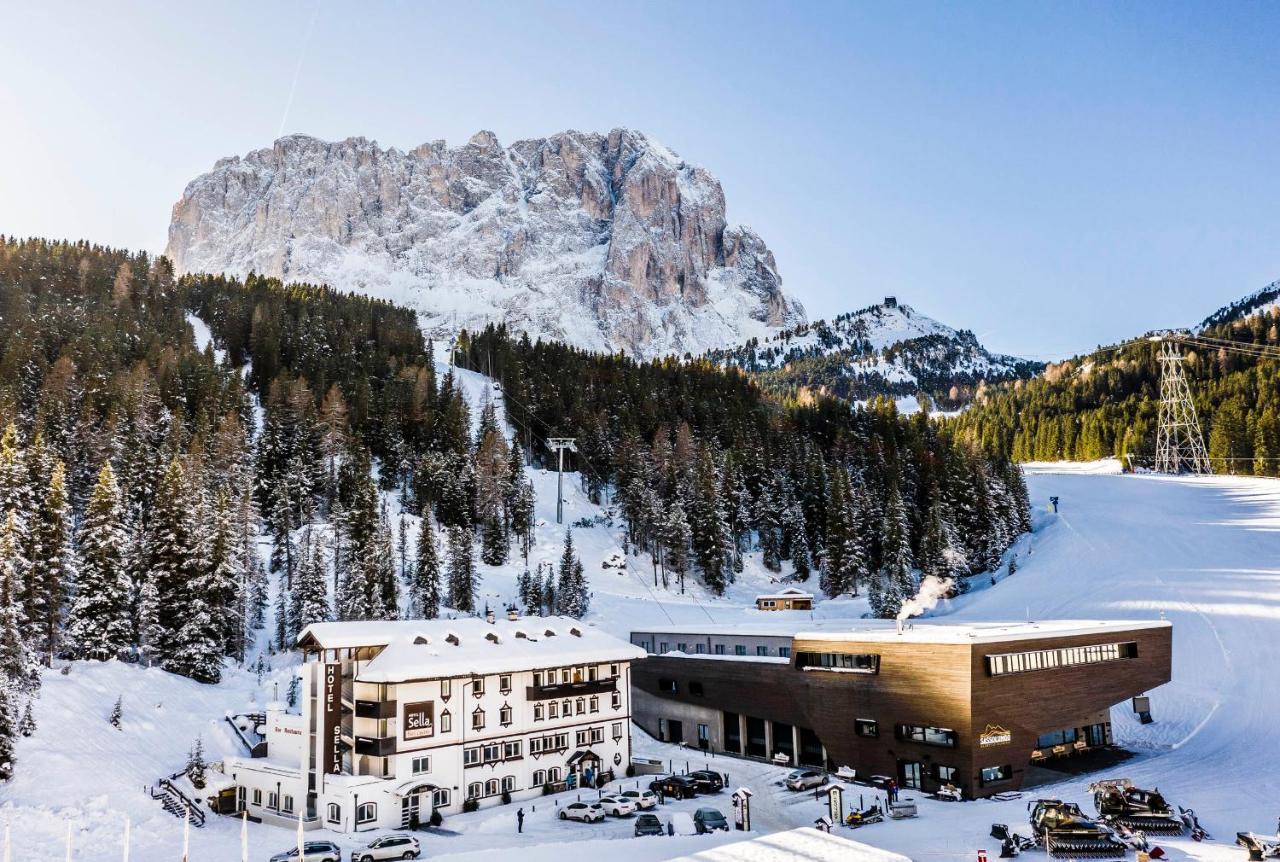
(707, 781)
(649, 824)
(709, 820)
(675, 786)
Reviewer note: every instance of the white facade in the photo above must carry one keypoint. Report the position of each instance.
(400, 718)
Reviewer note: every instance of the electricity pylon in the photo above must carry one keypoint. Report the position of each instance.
(1179, 443)
(558, 445)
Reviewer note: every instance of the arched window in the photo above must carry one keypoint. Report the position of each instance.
(334, 813)
(508, 783)
(539, 777)
(477, 719)
(491, 787)
(446, 721)
(553, 774)
(367, 812)
(581, 705)
(504, 715)
(440, 797)
(475, 790)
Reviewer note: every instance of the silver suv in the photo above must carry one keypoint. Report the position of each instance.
(388, 847)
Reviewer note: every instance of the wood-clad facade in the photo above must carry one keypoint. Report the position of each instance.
(965, 712)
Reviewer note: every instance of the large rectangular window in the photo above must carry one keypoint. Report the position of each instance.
(849, 662)
(1046, 659)
(866, 727)
(928, 735)
(996, 774)
(1058, 737)
(732, 733)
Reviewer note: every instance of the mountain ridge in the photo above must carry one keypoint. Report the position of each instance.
(607, 242)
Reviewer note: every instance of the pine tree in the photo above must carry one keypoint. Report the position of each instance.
(19, 668)
(676, 536)
(426, 571)
(310, 599)
(51, 569)
(895, 581)
(117, 713)
(462, 578)
(710, 530)
(28, 724)
(172, 561)
(572, 595)
(99, 622)
(8, 731)
(227, 572)
(196, 765)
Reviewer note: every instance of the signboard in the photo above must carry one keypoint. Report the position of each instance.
(331, 702)
(835, 804)
(994, 734)
(420, 719)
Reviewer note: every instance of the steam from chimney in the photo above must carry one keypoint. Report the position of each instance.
(932, 590)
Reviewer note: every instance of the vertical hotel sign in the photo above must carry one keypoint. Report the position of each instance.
(333, 718)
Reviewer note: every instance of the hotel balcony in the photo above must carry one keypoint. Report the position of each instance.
(571, 689)
(376, 746)
(376, 708)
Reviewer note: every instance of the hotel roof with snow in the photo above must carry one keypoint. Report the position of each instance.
(429, 649)
(912, 632)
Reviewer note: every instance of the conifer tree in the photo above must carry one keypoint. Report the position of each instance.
(19, 667)
(895, 581)
(27, 725)
(310, 599)
(8, 731)
(99, 622)
(51, 569)
(709, 528)
(117, 713)
(426, 572)
(572, 594)
(462, 578)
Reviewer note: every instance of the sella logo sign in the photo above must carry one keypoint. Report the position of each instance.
(994, 734)
(419, 719)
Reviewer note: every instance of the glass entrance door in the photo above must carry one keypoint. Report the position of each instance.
(909, 774)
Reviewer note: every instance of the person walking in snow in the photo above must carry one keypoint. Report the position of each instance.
(519, 820)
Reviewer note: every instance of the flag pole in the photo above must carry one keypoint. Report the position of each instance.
(126, 838)
(8, 850)
(186, 835)
(68, 842)
(244, 835)
(302, 853)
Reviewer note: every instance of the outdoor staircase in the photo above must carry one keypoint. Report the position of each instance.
(175, 801)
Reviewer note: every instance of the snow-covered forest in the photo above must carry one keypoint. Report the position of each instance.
(192, 470)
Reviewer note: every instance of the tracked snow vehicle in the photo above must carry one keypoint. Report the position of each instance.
(1065, 833)
(1118, 802)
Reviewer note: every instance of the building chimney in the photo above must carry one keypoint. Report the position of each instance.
(488, 615)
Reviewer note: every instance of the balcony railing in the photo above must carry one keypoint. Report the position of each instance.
(376, 746)
(571, 689)
(375, 708)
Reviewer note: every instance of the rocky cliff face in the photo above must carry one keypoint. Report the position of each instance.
(608, 242)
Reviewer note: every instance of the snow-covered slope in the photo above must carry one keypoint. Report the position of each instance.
(885, 349)
(608, 242)
(1258, 302)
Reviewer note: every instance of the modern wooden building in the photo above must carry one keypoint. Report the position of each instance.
(927, 704)
(790, 599)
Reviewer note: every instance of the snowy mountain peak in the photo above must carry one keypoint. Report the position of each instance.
(608, 242)
(883, 349)
(1258, 302)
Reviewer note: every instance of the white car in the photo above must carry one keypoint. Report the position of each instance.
(316, 851)
(643, 800)
(388, 847)
(587, 812)
(682, 824)
(804, 779)
(618, 806)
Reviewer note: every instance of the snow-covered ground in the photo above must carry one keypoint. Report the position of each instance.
(1199, 551)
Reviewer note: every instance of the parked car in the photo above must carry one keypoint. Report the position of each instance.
(682, 824)
(707, 781)
(388, 847)
(587, 812)
(618, 806)
(643, 800)
(709, 820)
(649, 824)
(805, 779)
(675, 786)
(317, 851)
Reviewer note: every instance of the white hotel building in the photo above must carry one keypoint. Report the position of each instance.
(398, 718)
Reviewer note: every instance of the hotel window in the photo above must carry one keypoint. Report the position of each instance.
(719, 649)
(421, 765)
(477, 719)
(470, 756)
(617, 731)
(491, 787)
(699, 648)
(866, 727)
(257, 796)
(580, 706)
(838, 661)
(367, 812)
(333, 813)
(1045, 659)
(504, 683)
(613, 670)
(440, 797)
(446, 722)
(553, 774)
(668, 685)
(537, 712)
(273, 801)
(994, 774)
(475, 790)
(539, 777)
(511, 750)
(944, 773)
(446, 689)
(593, 705)
(617, 700)
(566, 708)
(287, 805)
(593, 673)
(504, 715)
(597, 734)
(582, 738)
(682, 647)
(553, 709)
(739, 649)
(784, 651)
(927, 735)
(477, 686)
(508, 783)
(1058, 737)
(762, 650)
(662, 647)
(492, 752)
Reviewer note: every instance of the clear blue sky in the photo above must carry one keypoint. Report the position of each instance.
(1050, 175)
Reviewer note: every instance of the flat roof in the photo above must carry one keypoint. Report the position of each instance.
(430, 649)
(913, 631)
(805, 844)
